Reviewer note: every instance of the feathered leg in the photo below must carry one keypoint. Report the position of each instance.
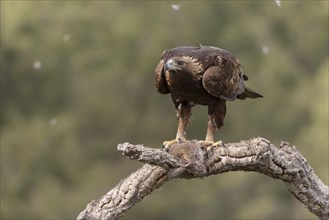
(184, 115)
(216, 115)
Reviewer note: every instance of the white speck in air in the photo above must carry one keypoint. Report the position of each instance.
(53, 121)
(176, 7)
(66, 37)
(37, 64)
(278, 3)
(265, 49)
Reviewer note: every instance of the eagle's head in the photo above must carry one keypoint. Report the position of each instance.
(183, 64)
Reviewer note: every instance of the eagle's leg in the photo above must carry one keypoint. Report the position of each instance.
(216, 115)
(184, 115)
(211, 128)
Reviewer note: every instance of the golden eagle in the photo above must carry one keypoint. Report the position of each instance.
(201, 75)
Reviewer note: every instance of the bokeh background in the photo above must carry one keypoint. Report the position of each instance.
(77, 78)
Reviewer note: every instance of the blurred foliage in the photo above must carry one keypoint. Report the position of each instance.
(77, 79)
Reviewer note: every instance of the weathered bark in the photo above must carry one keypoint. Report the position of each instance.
(192, 159)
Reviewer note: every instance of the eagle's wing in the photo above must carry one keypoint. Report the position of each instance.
(224, 79)
(160, 81)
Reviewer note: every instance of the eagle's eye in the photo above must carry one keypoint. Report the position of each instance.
(180, 63)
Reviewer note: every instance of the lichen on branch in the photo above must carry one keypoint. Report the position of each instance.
(192, 159)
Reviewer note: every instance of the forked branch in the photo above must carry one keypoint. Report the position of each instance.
(191, 159)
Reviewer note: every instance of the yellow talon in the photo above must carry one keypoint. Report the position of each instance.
(167, 144)
(210, 144)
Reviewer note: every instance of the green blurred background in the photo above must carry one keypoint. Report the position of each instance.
(77, 78)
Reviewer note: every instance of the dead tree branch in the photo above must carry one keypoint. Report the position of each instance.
(192, 159)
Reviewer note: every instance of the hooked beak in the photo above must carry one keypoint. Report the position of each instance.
(170, 65)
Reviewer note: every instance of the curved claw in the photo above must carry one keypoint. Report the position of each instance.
(210, 144)
(167, 144)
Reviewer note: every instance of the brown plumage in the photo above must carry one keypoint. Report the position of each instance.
(201, 75)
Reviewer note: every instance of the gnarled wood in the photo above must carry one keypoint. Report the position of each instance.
(192, 159)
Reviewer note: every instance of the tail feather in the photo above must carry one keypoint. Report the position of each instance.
(249, 93)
